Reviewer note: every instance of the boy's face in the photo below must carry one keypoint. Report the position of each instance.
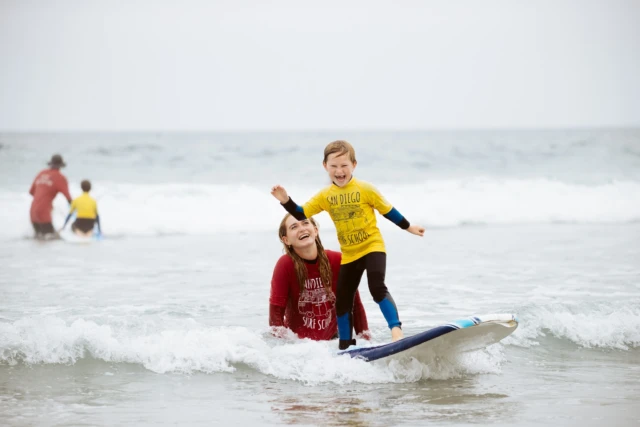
(340, 168)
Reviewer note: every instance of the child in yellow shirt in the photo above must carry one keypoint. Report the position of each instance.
(351, 203)
(87, 212)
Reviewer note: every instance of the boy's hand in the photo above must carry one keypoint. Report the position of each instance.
(280, 193)
(418, 230)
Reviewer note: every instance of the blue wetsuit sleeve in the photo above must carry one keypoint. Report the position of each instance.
(296, 211)
(396, 217)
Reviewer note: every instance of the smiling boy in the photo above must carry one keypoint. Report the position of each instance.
(351, 203)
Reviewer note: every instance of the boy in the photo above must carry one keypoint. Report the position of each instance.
(350, 203)
(87, 215)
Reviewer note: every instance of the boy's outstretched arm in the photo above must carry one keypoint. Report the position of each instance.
(418, 230)
(280, 193)
(287, 202)
(396, 217)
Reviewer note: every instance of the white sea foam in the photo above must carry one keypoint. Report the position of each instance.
(128, 209)
(188, 346)
(192, 347)
(601, 325)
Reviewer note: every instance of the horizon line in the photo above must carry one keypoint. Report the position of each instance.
(326, 130)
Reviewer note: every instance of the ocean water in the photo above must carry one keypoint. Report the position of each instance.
(165, 320)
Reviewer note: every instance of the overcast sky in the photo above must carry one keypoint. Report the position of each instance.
(298, 65)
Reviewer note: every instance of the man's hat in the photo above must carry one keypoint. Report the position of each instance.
(56, 161)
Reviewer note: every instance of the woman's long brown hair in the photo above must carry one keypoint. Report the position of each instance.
(299, 264)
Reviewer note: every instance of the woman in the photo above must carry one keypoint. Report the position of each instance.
(304, 284)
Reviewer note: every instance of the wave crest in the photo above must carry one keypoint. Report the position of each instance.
(128, 209)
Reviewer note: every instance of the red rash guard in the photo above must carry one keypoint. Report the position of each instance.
(311, 314)
(44, 189)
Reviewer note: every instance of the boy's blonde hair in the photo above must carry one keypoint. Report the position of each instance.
(342, 147)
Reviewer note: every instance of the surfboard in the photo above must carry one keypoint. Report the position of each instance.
(69, 236)
(468, 334)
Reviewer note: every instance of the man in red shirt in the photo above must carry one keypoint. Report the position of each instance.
(304, 284)
(44, 189)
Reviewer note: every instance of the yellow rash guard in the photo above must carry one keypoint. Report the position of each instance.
(351, 209)
(86, 207)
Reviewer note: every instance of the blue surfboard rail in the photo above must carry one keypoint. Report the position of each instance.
(377, 352)
(384, 350)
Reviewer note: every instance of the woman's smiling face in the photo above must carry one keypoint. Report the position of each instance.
(300, 234)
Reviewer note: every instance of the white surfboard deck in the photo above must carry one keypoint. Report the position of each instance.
(468, 334)
(70, 236)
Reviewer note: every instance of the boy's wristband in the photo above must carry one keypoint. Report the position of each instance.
(404, 224)
(296, 211)
(289, 205)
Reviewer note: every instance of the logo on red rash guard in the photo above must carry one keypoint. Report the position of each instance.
(315, 305)
(44, 179)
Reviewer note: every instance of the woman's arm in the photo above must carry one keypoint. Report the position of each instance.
(279, 294)
(276, 315)
(360, 323)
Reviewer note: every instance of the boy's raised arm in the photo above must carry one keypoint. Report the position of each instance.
(287, 202)
(280, 193)
(396, 217)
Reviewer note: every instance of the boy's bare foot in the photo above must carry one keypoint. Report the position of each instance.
(396, 334)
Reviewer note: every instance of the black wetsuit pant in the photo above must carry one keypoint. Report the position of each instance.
(375, 263)
(43, 228)
(83, 224)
